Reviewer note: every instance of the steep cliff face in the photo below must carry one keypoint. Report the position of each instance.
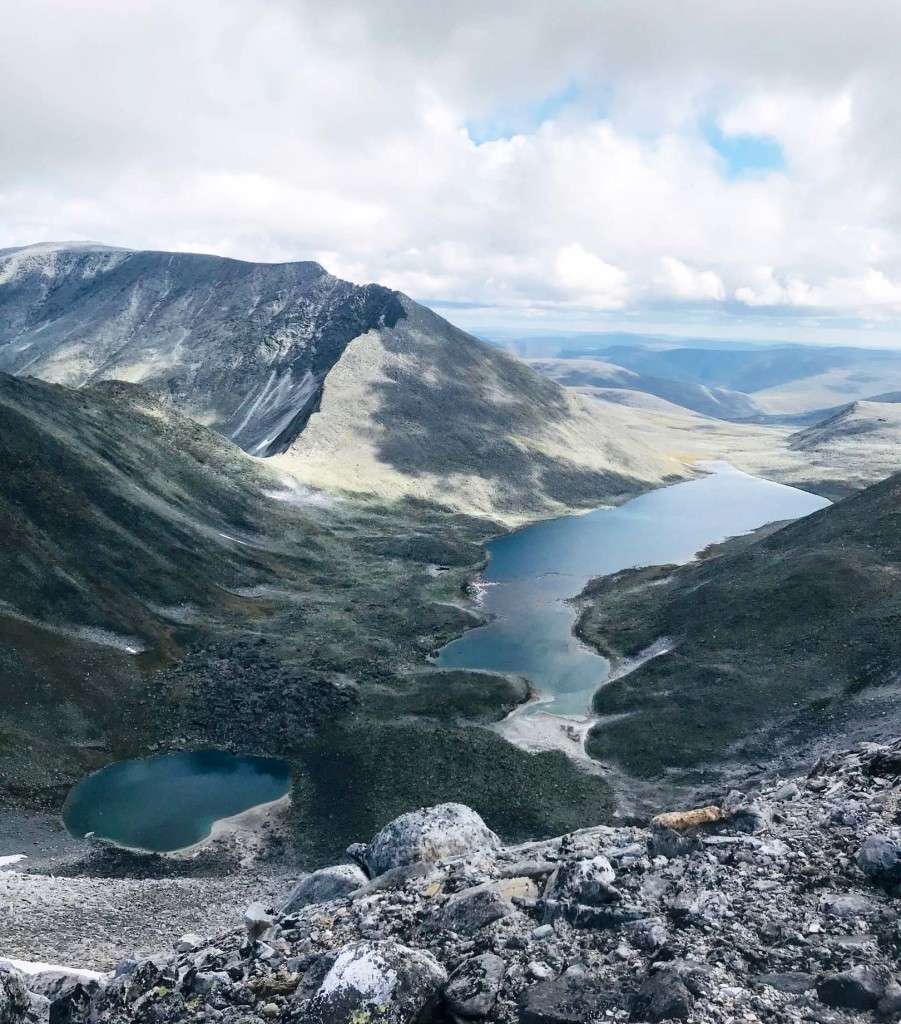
(241, 347)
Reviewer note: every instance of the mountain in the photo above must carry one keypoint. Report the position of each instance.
(596, 373)
(859, 441)
(782, 380)
(425, 410)
(358, 387)
(777, 644)
(241, 347)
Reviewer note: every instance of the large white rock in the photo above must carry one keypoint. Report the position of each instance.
(325, 884)
(381, 981)
(429, 835)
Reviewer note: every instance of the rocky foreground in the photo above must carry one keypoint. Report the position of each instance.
(777, 905)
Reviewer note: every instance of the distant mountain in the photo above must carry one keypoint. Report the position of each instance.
(784, 380)
(779, 644)
(360, 388)
(702, 398)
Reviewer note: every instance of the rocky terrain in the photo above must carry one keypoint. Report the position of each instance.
(774, 646)
(775, 904)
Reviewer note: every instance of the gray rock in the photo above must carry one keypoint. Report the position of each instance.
(429, 835)
(473, 987)
(880, 858)
(73, 1006)
(662, 996)
(52, 984)
(471, 909)
(14, 1001)
(860, 988)
(573, 998)
(585, 881)
(257, 920)
(325, 884)
(792, 982)
(890, 1004)
(649, 934)
(390, 982)
(848, 906)
(188, 943)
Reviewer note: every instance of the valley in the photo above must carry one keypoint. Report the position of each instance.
(255, 511)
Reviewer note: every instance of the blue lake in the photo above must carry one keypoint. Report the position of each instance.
(531, 573)
(171, 801)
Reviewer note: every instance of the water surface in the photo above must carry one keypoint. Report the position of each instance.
(171, 801)
(531, 572)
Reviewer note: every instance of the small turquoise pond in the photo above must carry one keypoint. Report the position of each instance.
(168, 802)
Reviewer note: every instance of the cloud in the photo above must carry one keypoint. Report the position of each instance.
(684, 282)
(589, 280)
(552, 158)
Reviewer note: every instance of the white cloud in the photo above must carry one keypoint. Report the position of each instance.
(684, 282)
(286, 129)
(589, 280)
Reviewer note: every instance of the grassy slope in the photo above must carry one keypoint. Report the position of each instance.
(318, 622)
(776, 640)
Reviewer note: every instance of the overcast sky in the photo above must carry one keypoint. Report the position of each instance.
(708, 167)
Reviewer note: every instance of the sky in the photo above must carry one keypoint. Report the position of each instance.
(707, 168)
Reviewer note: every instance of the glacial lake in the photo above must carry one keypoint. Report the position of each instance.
(172, 801)
(531, 573)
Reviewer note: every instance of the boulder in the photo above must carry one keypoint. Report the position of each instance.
(473, 987)
(325, 884)
(574, 997)
(794, 983)
(14, 1000)
(257, 920)
(429, 835)
(860, 988)
(662, 996)
(880, 858)
(382, 981)
(53, 984)
(848, 906)
(681, 821)
(584, 881)
(471, 909)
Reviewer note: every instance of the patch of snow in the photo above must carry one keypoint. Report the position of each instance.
(295, 493)
(13, 858)
(37, 967)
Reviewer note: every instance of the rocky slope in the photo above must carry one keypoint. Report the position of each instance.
(410, 406)
(775, 645)
(424, 410)
(777, 904)
(856, 442)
